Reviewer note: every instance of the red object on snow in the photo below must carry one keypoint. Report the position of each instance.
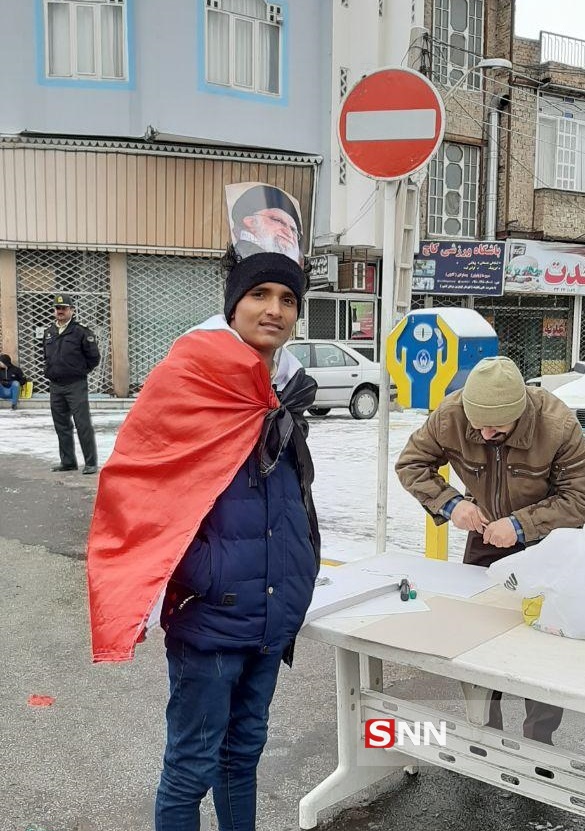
(40, 700)
(192, 427)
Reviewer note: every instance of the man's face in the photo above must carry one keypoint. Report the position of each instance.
(63, 314)
(496, 434)
(264, 318)
(275, 230)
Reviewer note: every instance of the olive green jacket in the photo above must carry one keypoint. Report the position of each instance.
(538, 473)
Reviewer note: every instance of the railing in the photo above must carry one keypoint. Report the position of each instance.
(561, 49)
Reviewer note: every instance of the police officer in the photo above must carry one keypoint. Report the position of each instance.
(71, 352)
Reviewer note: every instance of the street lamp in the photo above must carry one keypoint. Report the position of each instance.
(485, 63)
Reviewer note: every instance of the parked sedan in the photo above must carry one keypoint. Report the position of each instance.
(569, 387)
(345, 377)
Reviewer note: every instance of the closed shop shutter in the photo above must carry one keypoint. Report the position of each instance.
(166, 297)
(535, 331)
(39, 276)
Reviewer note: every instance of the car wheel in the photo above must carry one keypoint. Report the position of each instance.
(319, 411)
(364, 404)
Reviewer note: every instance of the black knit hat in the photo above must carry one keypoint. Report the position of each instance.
(263, 268)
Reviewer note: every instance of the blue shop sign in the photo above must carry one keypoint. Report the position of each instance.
(468, 267)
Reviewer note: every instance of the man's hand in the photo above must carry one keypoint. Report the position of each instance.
(500, 533)
(468, 517)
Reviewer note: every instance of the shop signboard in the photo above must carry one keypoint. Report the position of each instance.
(324, 270)
(534, 267)
(468, 267)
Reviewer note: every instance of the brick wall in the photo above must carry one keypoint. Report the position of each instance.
(520, 210)
(558, 214)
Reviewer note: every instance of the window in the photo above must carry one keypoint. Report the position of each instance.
(243, 45)
(328, 355)
(86, 39)
(301, 351)
(458, 41)
(560, 144)
(453, 189)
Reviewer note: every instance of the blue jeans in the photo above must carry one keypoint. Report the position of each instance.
(217, 724)
(12, 392)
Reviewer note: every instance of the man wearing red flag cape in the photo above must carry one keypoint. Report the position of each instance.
(206, 505)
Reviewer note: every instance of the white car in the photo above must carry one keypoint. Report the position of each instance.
(345, 377)
(569, 387)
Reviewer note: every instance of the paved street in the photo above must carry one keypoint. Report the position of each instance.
(91, 761)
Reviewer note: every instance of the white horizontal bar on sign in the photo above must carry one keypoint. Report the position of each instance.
(390, 125)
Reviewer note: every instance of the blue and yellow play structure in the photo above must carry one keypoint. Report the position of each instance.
(430, 353)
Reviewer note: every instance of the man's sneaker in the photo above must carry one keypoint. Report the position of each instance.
(61, 468)
(13, 407)
(89, 469)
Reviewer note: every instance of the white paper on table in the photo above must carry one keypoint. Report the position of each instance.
(347, 585)
(388, 604)
(434, 576)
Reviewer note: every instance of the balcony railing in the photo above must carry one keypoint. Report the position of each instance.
(561, 49)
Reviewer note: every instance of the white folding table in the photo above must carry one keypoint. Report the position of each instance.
(521, 661)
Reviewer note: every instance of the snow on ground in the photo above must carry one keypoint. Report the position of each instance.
(345, 455)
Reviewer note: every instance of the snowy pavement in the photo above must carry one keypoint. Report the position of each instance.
(345, 456)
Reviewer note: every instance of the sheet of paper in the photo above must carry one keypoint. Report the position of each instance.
(450, 628)
(434, 576)
(338, 587)
(387, 604)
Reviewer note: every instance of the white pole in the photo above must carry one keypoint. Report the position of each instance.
(386, 323)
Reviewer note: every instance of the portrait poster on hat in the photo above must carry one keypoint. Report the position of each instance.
(263, 217)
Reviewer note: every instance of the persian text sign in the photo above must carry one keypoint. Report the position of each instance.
(544, 268)
(468, 267)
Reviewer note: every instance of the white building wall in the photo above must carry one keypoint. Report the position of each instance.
(167, 89)
(363, 41)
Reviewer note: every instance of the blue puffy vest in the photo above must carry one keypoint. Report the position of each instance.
(247, 578)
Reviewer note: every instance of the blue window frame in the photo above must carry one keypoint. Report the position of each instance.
(244, 48)
(85, 43)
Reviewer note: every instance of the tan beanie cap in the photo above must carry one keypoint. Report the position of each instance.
(494, 393)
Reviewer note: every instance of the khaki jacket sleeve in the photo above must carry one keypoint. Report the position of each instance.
(418, 469)
(565, 507)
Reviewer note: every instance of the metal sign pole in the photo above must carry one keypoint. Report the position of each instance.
(386, 323)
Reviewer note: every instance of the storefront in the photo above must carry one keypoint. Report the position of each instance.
(538, 317)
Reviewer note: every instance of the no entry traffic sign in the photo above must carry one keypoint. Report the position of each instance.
(391, 123)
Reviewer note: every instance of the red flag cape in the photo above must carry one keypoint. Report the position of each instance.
(192, 427)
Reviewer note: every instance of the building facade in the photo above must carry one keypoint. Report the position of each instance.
(123, 121)
(120, 126)
(510, 170)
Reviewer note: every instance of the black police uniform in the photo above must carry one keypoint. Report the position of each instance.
(69, 357)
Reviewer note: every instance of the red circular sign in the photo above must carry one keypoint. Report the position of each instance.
(391, 123)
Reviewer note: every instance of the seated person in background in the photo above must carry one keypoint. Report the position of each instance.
(11, 380)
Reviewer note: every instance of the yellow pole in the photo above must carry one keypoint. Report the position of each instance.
(437, 536)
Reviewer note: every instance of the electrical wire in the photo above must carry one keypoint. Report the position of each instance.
(532, 136)
(525, 167)
(364, 208)
(514, 114)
